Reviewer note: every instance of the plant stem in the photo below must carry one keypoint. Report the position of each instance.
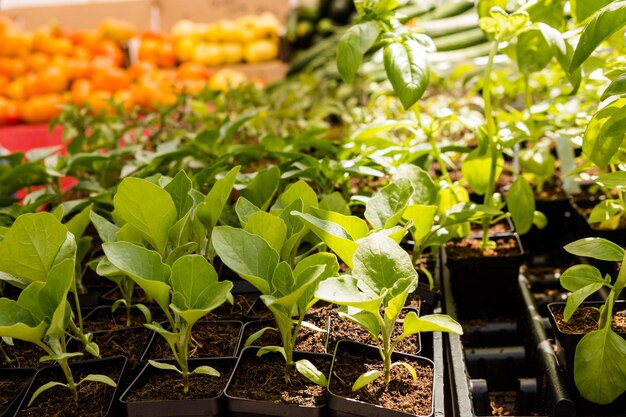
(79, 313)
(69, 377)
(491, 133)
(6, 358)
(183, 353)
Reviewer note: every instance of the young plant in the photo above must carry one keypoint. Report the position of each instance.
(287, 291)
(41, 316)
(600, 361)
(186, 292)
(32, 247)
(181, 225)
(373, 296)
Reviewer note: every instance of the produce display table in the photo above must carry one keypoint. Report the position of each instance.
(21, 138)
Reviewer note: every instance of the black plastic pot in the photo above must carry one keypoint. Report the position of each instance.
(205, 407)
(347, 407)
(429, 299)
(24, 374)
(90, 366)
(559, 230)
(567, 342)
(586, 229)
(245, 407)
(157, 314)
(486, 286)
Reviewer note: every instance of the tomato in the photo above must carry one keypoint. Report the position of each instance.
(12, 67)
(261, 50)
(43, 108)
(225, 79)
(210, 54)
(109, 49)
(192, 71)
(80, 91)
(111, 79)
(9, 112)
(119, 31)
(233, 52)
(37, 61)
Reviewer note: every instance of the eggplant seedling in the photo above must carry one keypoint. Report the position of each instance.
(373, 295)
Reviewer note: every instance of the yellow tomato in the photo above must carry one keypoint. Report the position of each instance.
(261, 50)
(210, 54)
(185, 48)
(233, 52)
(226, 79)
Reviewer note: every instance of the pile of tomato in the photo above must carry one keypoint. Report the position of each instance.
(42, 70)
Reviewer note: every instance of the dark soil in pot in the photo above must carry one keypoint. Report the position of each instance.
(94, 399)
(342, 329)
(211, 339)
(403, 393)
(13, 383)
(167, 385)
(263, 378)
(585, 320)
(308, 339)
(467, 248)
(23, 355)
(240, 308)
(102, 318)
(130, 343)
(501, 227)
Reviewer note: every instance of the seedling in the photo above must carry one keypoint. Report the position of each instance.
(287, 291)
(599, 364)
(41, 315)
(186, 292)
(373, 296)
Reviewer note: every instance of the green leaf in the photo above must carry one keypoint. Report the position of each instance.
(143, 266)
(576, 298)
(282, 282)
(106, 229)
(31, 245)
(582, 9)
(79, 222)
(549, 12)
(368, 321)
(597, 248)
(407, 70)
(579, 276)
(298, 190)
(244, 210)
(310, 372)
(334, 202)
(352, 45)
(373, 130)
(385, 208)
(333, 235)
(165, 366)
(248, 255)
(533, 51)
(616, 88)
(521, 204)
(407, 367)
(613, 179)
(136, 202)
(227, 130)
(262, 188)
(476, 167)
(382, 266)
(17, 322)
(256, 335)
(170, 338)
(103, 379)
(605, 210)
(423, 218)
(196, 290)
(563, 52)
(272, 349)
(365, 379)
(210, 210)
(430, 323)
(355, 227)
(179, 189)
(424, 188)
(604, 134)
(44, 388)
(206, 370)
(271, 228)
(303, 268)
(344, 291)
(599, 368)
(602, 25)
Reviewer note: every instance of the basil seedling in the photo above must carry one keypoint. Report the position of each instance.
(373, 296)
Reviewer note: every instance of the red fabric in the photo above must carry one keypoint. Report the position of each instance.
(22, 138)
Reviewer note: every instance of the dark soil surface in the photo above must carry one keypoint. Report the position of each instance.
(105, 319)
(345, 329)
(413, 300)
(240, 308)
(470, 248)
(138, 295)
(94, 398)
(500, 227)
(10, 387)
(308, 339)
(263, 378)
(585, 320)
(503, 403)
(164, 385)
(126, 342)
(211, 339)
(23, 355)
(403, 393)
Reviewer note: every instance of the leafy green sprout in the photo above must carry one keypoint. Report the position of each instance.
(373, 295)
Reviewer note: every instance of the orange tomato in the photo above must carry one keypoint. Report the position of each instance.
(55, 79)
(158, 51)
(192, 71)
(111, 79)
(140, 68)
(191, 86)
(81, 52)
(12, 67)
(9, 112)
(15, 89)
(37, 61)
(124, 97)
(4, 82)
(14, 42)
(80, 91)
(86, 38)
(43, 108)
(100, 102)
(108, 48)
(79, 68)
